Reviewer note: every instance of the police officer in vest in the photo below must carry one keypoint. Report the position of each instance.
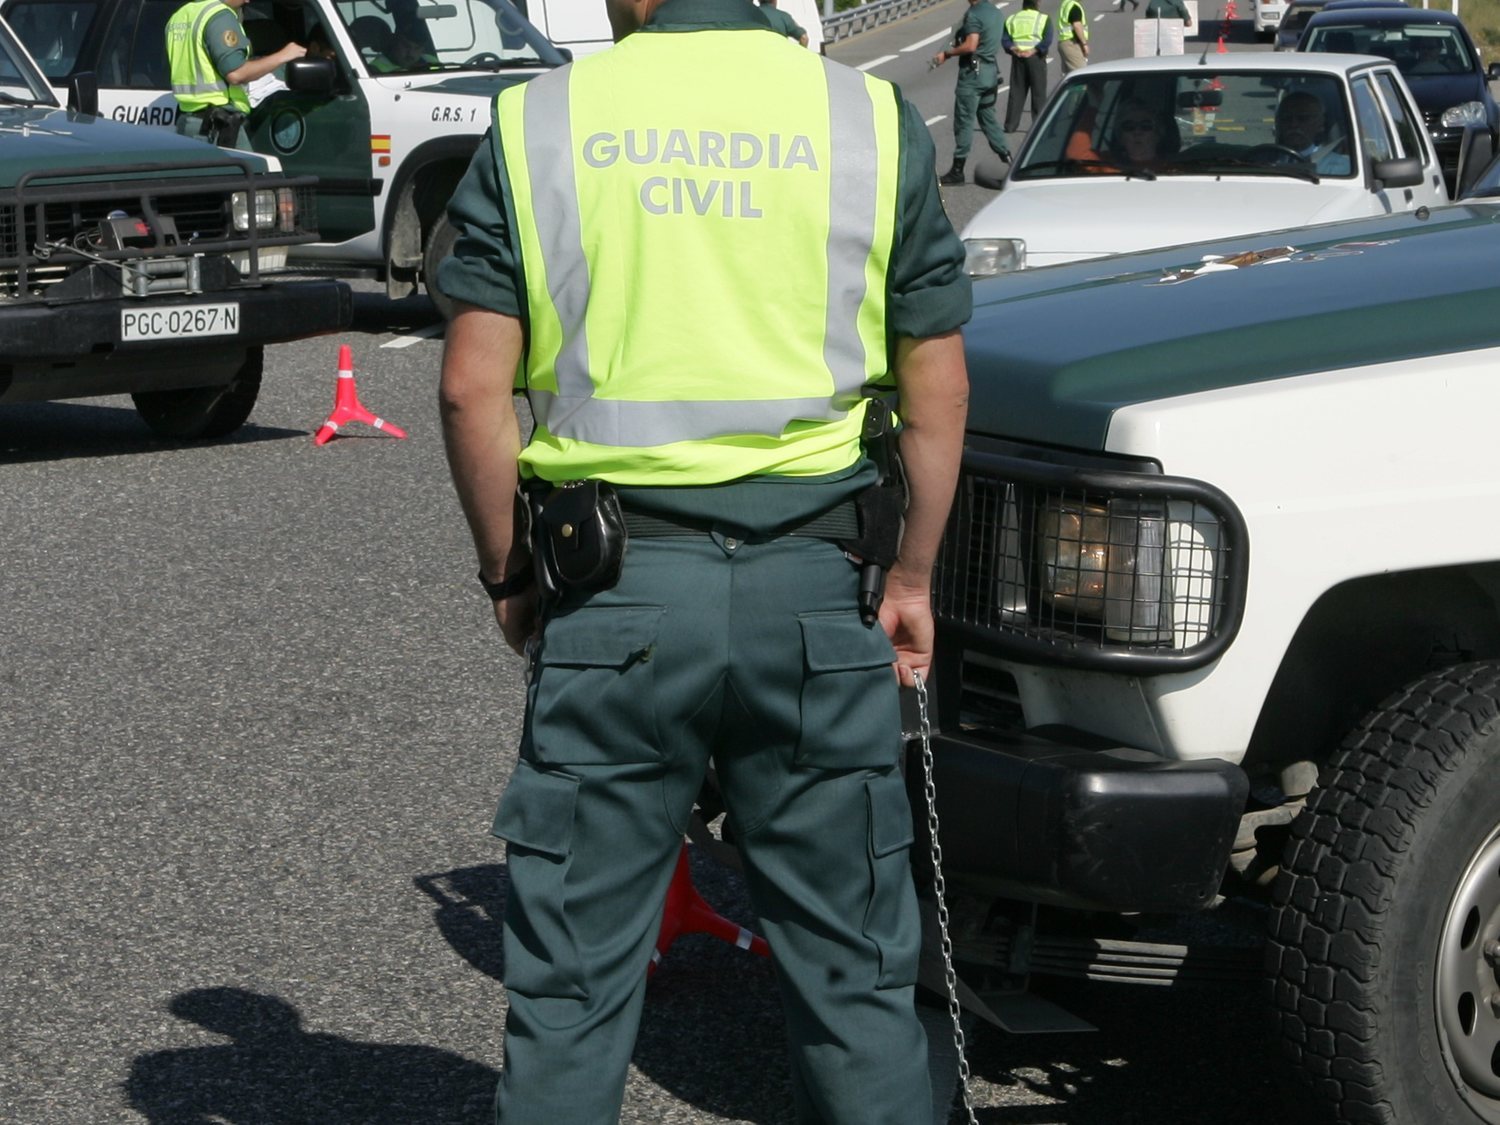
(696, 291)
(1072, 36)
(1028, 34)
(1169, 10)
(209, 55)
(782, 22)
(976, 44)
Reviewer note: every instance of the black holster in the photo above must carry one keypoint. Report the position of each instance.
(577, 536)
(882, 509)
(221, 125)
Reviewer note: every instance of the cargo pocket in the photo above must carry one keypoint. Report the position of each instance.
(596, 687)
(891, 920)
(851, 715)
(535, 819)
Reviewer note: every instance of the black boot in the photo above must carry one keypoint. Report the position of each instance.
(954, 175)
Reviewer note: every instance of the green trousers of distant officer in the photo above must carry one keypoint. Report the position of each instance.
(975, 96)
(752, 652)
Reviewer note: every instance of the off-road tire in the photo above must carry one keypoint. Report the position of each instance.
(201, 413)
(440, 240)
(1394, 833)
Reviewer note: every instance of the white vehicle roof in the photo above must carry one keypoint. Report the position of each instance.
(1308, 62)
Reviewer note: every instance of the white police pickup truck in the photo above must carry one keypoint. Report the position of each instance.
(387, 118)
(1219, 614)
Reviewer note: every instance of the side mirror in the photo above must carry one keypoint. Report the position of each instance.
(1475, 151)
(83, 93)
(311, 76)
(1492, 72)
(1406, 172)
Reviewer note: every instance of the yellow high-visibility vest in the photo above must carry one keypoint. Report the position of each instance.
(705, 272)
(196, 82)
(1025, 28)
(1071, 12)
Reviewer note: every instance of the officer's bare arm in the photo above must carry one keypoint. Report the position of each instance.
(482, 435)
(967, 47)
(251, 69)
(933, 383)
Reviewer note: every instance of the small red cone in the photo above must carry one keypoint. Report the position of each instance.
(347, 407)
(687, 913)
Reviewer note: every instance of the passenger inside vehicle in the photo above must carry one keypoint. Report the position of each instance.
(1139, 139)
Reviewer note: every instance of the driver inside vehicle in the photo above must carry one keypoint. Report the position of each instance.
(1140, 140)
(1302, 128)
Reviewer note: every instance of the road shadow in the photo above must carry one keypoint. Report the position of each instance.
(274, 1072)
(711, 1033)
(61, 431)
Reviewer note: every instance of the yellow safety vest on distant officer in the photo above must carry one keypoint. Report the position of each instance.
(630, 196)
(1025, 28)
(1071, 12)
(196, 82)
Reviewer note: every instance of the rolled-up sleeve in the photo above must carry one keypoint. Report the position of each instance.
(483, 268)
(929, 292)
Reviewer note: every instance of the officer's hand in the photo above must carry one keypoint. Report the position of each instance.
(291, 51)
(940, 58)
(906, 617)
(517, 618)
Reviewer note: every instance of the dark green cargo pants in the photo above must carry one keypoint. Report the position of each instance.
(974, 96)
(752, 653)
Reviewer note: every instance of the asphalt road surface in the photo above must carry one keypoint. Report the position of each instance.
(256, 719)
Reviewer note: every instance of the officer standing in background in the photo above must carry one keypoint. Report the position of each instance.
(1072, 36)
(1028, 34)
(1169, 10)
(977, 42)
(209, 56)
(613, 259)
(782, 22)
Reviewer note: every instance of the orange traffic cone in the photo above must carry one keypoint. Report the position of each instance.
(687, 913)
(346, 405)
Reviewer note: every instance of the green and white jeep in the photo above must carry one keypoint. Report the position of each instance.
(1219, 615)
(387, 118)
(135, 262)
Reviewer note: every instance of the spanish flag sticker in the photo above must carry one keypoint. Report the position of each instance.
(380, 142)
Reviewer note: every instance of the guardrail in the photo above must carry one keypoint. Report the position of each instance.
(867, 16)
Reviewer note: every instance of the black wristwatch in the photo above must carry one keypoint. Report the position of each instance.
(509, 586)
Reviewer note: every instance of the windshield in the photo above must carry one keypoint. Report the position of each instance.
(1417, 49)
(1149, 124)
(20, 83)
(416, 37)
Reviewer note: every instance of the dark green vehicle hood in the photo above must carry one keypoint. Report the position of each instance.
(45, 137)
(1054, 352)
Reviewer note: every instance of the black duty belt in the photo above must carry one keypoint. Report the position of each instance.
(838, 523)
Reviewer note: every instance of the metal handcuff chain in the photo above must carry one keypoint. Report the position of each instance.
(929, 790)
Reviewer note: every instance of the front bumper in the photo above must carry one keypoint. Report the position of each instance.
(1062, 821)
(73, 349)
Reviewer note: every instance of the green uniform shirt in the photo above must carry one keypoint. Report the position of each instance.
(782, 22)
(1166, 10)
(225, 41)
(929, 293)
(982, 19)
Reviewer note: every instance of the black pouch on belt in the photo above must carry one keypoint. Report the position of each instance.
(578, 536)
(882, 510)
(222, 125)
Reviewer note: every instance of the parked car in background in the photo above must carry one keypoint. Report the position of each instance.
(1081, 187)
(1293, 20)
(136, 262)
(1267, 16)
(1438, 60)
(387, 138)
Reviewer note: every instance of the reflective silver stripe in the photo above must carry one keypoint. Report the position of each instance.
(573, 412)
(554, 202)
(853, 168)
(611, 422)
(196, 89)
(203, 83)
